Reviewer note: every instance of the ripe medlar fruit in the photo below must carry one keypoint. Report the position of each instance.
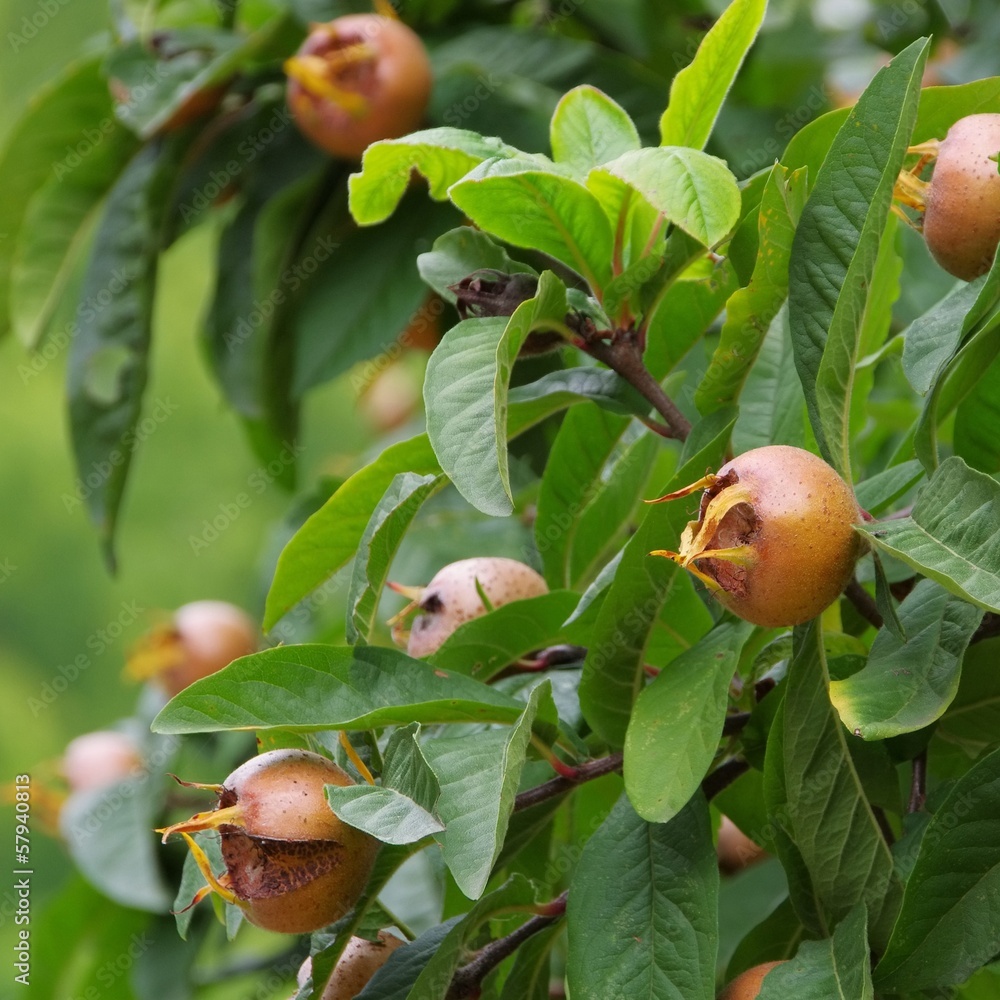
(962, 216)
(453, 597)
(201, 638)
(99, 759)
(291, 865)
(358, 962)
(357, 79)
(774, 541)
(747, 984)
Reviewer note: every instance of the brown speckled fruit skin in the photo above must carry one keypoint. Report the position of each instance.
(397, 85)
(747, 984)
(294, 866)
(360, 961)
(806, 545)
(962, 218)
(451, 598)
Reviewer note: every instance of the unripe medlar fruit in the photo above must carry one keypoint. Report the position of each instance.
(962, 216)
(358, 962)
(291, 865)
(201, 638)
(99, 759)
(357, 79)
(774, 541)
(747, 984)
(453, 597)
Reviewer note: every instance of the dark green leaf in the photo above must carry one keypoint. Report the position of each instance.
(828, 837)
(976, 420)
(331, 536)
(836, 245)
(68, 121)
(392, 516)
(433, 982)
(948, 924)
(698, 91)
(483, 646)
(836, 967)
(907, 685)
(951, 534)
(677, 721)
(588, 459)
(465, 391)
(973, 720)
(559, 389)
(657, 886)
(109, 834)
(529, 977)
(751, 310)
(361, 299)
(630, 629)
(313, 687)
(479, 776)
(395, 979)
(879, 491)
(109, 355)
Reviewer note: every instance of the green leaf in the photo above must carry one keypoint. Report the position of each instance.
(656, 886)
(595, 470)
(751, 310)
(459, 252)
(693, 190)
(907, 685)
(331, 536)
(976, 419)
(698, 91)
(312, 687)
(107, 832)
(384, 813)
(932, 339)
(837, 967)
(433, 982)
(879, 491)
(772, 406)
(630, 629)
(394, 980)
(949, 923)
(951, 534)
(973, 719)
(479, 775)
(540, 210)
(362, 297)
(442, 155)
(465, 391)
(483, 646)
(67, 122)
(589, 128)
(392, 516)
(530, 975)
(57, 226)
(559, 389)
(836, 245)
(109, 355)
(676, 724)
(828, 839)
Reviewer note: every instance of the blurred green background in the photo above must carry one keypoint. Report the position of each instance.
(58, 601)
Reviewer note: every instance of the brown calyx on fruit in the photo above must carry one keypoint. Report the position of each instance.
(291, 864)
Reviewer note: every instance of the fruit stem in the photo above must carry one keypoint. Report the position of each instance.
(623, 355)
(467, 981)
(352, 756)
(918, 783)
(723, 776)
(863, 603)
(556, 786)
